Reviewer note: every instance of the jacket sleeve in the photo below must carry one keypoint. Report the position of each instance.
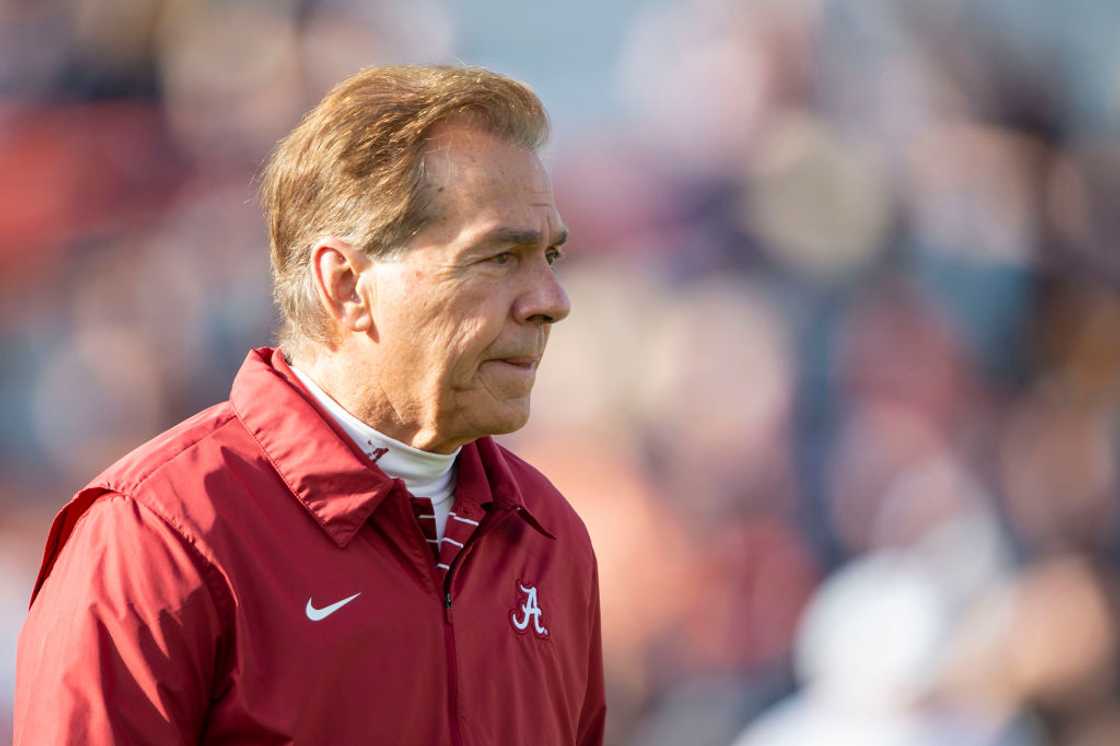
(121, 641)
(593, 717)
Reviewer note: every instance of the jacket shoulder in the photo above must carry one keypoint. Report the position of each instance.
(131, 471)
(127, 476)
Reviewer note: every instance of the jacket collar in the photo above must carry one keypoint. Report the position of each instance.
(327, 472)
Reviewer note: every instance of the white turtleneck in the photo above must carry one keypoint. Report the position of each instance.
(424, 473)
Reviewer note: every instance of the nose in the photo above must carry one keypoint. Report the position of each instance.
(544, 300)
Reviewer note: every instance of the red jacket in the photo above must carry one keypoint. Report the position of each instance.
(191, 594)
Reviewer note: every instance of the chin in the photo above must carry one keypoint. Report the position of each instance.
(510, 420)
(511, 425)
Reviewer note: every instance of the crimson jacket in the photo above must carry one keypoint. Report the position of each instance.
(191, 594)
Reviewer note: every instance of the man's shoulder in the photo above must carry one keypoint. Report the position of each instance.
(174, 450)
(167, 450)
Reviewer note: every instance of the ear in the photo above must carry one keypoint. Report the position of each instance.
(337, 270)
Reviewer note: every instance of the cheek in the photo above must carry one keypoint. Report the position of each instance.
(468, 345)
(445, 328)
(473, 326)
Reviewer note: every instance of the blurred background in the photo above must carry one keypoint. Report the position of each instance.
(838, 399)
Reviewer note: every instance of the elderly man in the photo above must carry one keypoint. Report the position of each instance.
(340, 554)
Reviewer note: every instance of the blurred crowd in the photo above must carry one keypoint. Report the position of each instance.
(839, 396)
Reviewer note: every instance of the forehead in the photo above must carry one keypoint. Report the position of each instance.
(473, 174)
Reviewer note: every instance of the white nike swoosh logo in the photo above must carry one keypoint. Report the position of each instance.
(318, 615)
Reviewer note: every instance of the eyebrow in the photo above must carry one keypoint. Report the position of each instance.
(518, 237)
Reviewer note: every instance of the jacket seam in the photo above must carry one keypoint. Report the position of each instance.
(137, 485)
(156, 507)
(219, 595)
(138, 482)
(212, 578)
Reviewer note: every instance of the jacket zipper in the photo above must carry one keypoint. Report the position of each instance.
(449, 637)
(452, 668)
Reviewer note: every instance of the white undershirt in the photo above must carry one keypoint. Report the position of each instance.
(424, 473)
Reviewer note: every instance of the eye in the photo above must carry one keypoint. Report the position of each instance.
(553, 255)
(504, 258)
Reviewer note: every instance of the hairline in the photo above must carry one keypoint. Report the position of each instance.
(429, 213)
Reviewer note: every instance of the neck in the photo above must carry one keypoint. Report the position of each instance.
(425, 474)
(362, 396)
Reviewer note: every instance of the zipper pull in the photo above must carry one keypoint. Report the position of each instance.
(447, 607)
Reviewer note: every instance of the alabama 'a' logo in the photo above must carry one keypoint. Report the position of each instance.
(528, 617)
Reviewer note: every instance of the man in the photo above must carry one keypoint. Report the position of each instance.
(340, 554)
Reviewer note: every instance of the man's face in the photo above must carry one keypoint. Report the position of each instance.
(462, 315)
